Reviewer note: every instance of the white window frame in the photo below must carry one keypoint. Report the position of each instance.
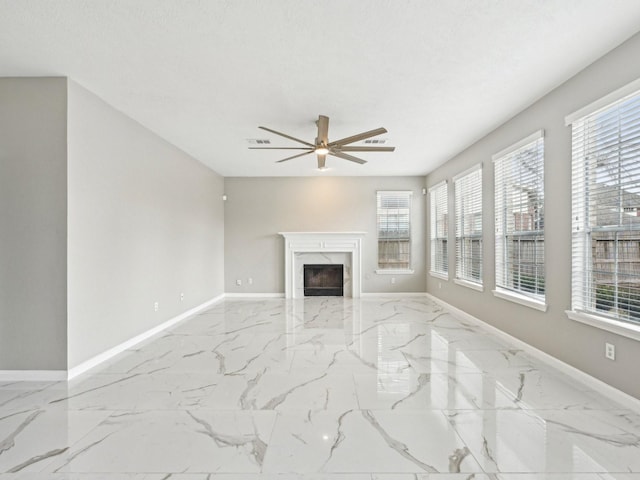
(381, 270)
(439, 230)
(462, 219)
(584, 170)
(511, 178)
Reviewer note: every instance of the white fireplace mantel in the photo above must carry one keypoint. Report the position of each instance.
(321, 242)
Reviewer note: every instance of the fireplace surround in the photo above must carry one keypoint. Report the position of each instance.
(322, 248)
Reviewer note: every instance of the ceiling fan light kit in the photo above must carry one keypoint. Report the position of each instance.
(322, 147)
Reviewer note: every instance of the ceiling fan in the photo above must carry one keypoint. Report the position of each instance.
(323, 147)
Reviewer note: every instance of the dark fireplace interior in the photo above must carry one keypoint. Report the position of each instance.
(323, 280)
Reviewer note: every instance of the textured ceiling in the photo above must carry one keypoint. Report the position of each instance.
(438, 74)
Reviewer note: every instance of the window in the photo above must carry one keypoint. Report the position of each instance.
(468, 200)
(519, 210)
(394, 230)
(439, 228)
(605, 203)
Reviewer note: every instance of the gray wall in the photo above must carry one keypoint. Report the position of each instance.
(579, 345)
(146, 224)
(33, 216)
(258, 208)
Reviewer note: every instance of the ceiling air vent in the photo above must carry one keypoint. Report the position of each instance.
(258, 141)
(376, 141)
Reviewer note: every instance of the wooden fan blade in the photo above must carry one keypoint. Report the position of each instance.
(288, 136)
(366, 149)
(295, 156)
(323, 130)
(344, 156)
(360, 136)
(321, 161)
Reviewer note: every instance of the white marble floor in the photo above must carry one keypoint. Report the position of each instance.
(320, 388)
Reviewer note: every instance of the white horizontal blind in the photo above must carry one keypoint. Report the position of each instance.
(468, 218)
(606, 211)
(394, 230)
(439, 231)
(519, 211)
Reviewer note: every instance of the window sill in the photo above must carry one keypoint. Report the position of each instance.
(618, 327)
(442, 276)
(391, 271)
(520, 299)
(468, 284)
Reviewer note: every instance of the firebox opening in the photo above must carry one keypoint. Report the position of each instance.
(323, 280)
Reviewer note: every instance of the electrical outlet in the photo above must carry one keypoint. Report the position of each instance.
(238, 282)
(250, 281)
(156, 306)
(610, 351)
(393, 280)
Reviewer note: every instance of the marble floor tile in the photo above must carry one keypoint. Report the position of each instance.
(428, 391)
(356, 358)
(366, 440)
(320, 388)
(431, 476)
(455, 361)
(297, 391)
(620, 476)
(275, 476)
(551, 441)
(542, 388)
(548, 476)
(34, 438)
(88, 476)
(18, 396)
(172, 441)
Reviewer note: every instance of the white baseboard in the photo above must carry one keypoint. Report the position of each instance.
(33, 375)
(254, 295)
(593, 382)
(394, 294)
(106, 355)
